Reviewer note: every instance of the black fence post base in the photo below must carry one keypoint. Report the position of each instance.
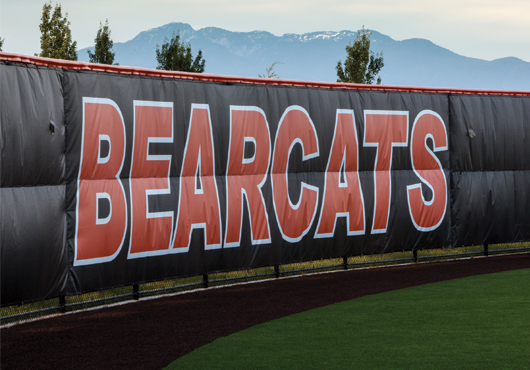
(62, 304)
(345, 263)
(277, 271)
(136, 292)
(415, 254)
(486, 249)
(205, 280)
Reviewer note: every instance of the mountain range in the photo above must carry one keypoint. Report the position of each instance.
(314, 56)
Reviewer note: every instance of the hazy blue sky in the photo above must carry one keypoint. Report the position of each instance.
(486, 29)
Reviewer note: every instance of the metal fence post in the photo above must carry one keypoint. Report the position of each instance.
(415, 254)
(345, 263)
(205, 280)
(62, 303)
(486, 249)
(136, 292)
(277, 271)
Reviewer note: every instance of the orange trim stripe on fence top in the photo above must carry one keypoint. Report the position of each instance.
(85, 66)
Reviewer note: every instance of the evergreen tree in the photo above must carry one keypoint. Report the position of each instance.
(103, 46)
(56, 38)
(176, 56)
(361, 65)
(1, 43)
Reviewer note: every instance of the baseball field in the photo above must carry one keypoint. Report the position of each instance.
(470, 313)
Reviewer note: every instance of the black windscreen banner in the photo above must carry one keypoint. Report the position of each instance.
(111, 180)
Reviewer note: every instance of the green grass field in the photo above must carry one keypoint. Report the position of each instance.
(480, 322)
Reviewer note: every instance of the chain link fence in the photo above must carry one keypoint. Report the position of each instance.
(17, 313)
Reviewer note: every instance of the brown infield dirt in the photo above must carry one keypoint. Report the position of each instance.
(150, 334)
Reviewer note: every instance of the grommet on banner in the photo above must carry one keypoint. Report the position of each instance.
(53, 127)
